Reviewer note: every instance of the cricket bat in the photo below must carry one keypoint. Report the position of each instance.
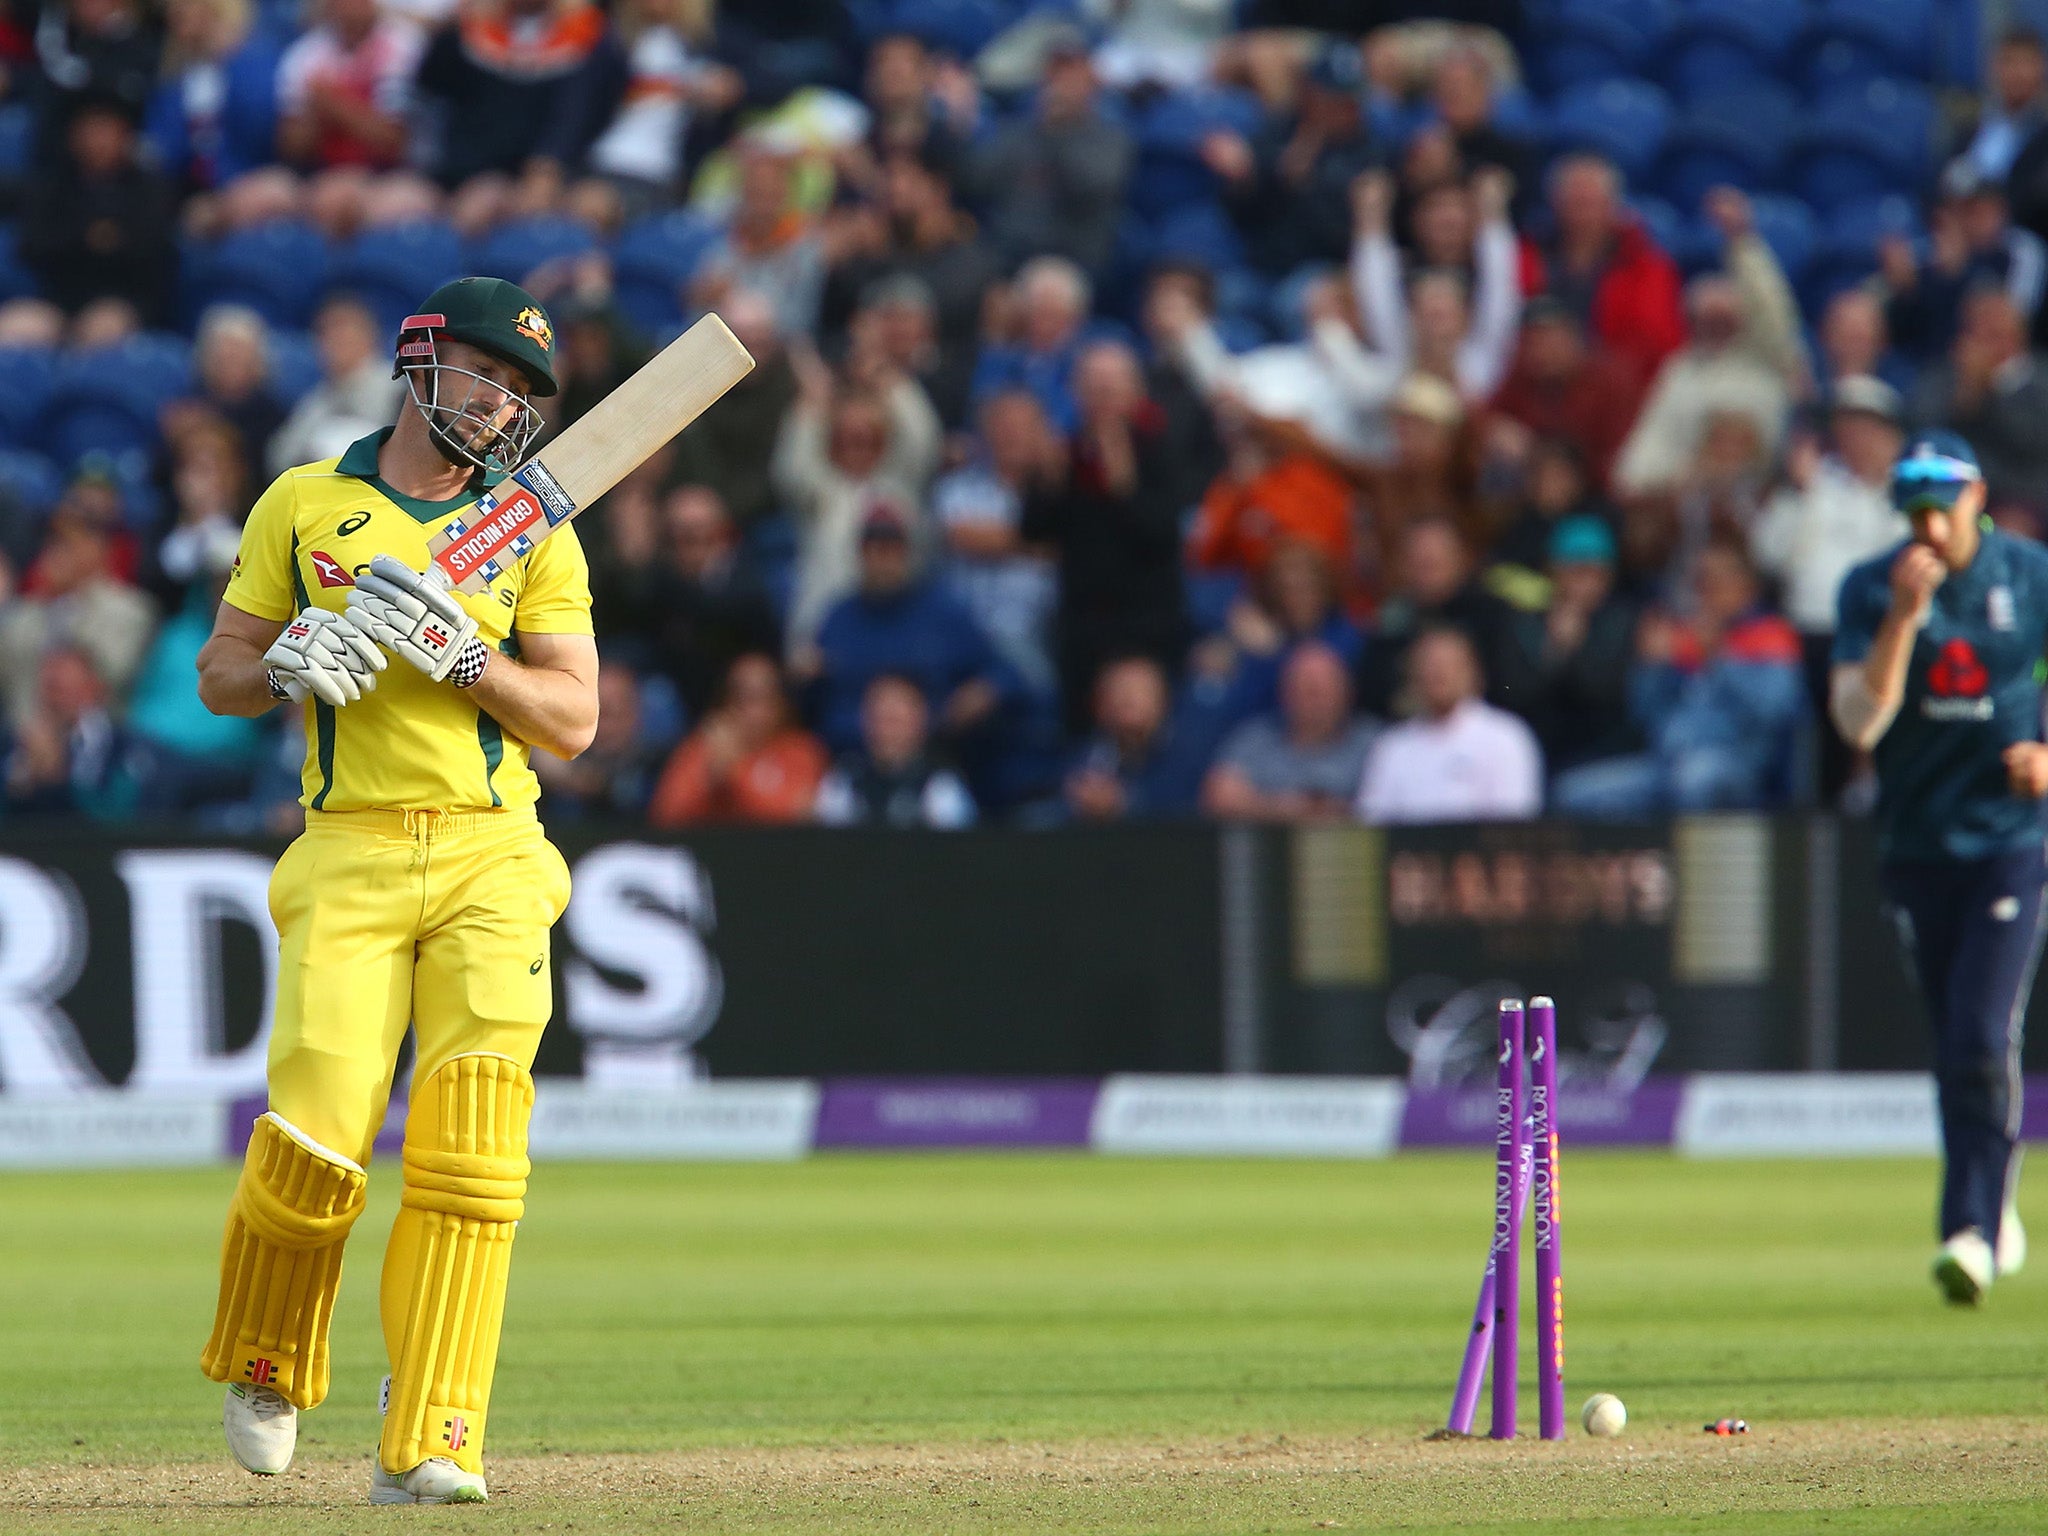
(611, 441)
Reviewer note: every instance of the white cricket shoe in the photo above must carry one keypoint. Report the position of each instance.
(262, 1428)
(1964, 1267)
(2012, 1242)
(437, 1480)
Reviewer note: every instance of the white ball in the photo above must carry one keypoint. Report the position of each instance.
(1603, 1414)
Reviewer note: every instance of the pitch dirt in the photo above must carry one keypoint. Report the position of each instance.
(913, 1345)
(1868, 1477)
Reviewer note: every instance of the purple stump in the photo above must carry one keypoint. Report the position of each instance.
(1509, 1140)
(1479, 1344)
(1543, 1201)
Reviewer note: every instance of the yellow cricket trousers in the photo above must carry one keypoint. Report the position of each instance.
(437, 919)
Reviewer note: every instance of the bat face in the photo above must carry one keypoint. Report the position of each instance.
(502, 526)
(612, 440)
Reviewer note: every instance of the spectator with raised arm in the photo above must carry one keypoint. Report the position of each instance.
(844, 450)
(1717, 372)
(1432, 319)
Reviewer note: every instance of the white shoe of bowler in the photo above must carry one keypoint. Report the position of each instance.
(2012, 1243)
(262, 1428)
(1964, 1267)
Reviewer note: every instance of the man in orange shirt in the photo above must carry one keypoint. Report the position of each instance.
(1271, 490)
(746, 762)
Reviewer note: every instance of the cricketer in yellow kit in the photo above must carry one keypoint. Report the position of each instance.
(420, 894)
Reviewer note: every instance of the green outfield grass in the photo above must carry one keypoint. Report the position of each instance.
(993, 1343)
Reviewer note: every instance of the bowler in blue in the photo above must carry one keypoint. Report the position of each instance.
(1937, 674)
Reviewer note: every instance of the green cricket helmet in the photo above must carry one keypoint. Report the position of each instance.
(465, 412)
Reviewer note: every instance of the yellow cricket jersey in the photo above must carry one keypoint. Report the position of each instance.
(414, 744)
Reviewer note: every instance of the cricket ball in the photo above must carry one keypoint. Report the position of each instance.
(1603, 1415)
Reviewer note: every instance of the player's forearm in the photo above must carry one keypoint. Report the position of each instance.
(233, 679)
(1884, 669)
(543, 706)
(1865, 700)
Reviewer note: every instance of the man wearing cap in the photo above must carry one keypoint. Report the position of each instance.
(420, 894)
(1936, 649)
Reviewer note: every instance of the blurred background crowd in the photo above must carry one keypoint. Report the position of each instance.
(1267, 408)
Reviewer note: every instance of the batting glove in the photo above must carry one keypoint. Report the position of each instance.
(322, 654)
(409, 613)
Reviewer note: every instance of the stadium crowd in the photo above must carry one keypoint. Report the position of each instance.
(1263, 408)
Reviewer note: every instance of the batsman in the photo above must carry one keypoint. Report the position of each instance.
(420, 894)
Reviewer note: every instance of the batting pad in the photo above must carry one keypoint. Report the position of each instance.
(451, 1248)
(280, 1263)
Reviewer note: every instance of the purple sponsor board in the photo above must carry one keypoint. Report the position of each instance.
(2034, 1120)
(1586, 1116)
(956, 1112)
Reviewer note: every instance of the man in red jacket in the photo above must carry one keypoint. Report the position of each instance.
(1604, 267)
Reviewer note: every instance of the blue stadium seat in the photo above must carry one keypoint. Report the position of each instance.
(17, 139)
(392, 269)
(30, 373)
(514, 250)
(1660, 219)
(1583, 42)
(1624, 120)
(275, 269)
(652, 260)
(1209, 596)
(31, 479)
(1847, 239)
(294, 366)
(1854, 41)
(959, 27)
(1864, 141)
(1242, 332)
(1738, 138)
(1716, 45)
(1200, 232)
(1959, 44)
(108, 400)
